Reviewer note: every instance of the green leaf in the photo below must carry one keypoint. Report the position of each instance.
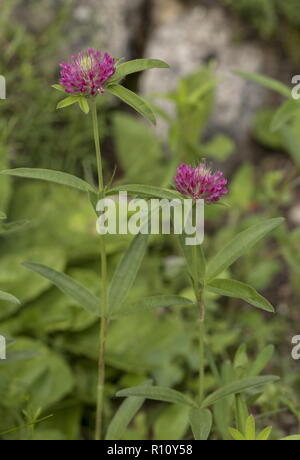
(131, 137)
(84, 105)
(197, 95)
(27, 425)
(135, 101)
(265, 434)
(146, 190)
(49, 175)
(284, 114)
(70, 100)
(237, 387)
(152, 303)
(250, 429)
(13, 227)
(126, 272)
(291, 141)
(172, 423)
(195, 259)
(237, 435)
(236, 289)
(241, 357)
(124, 416)
(239, 245)
(201, 423)
(269, 83)
(261, 361)
(9, 298)
(295, 437)
(68, 286)
(137, 65)
(241, 410)
(158, 394)
(3, 216)
(59, 88)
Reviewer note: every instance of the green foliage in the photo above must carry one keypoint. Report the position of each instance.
(51, 366)
(261, 13)
(272, 20)
(25, 65)
(250, 432)
(135, 101)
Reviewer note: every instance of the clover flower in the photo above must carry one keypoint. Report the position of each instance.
(87, 73)
(201, 183)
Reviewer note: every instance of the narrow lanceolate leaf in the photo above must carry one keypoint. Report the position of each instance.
(290, 138)
(21, 356)
(242, 412)
(295, 437)
(158, 394)
(201, 423)
(50, 175)
(59, 88)
(237, 387)
(250, 429)
(284, 114)
(123, 417)
(237, 435)
(80, 294)
(239, 245)
(152, 303)
(137, 65)
(267, 82)
(265, 434)
(261, 361)
(13, 227)
(236, 289)
(146, 191)
(9, 298)
(70, 100)
(195, 259)
(84, 105)
(201, 92)
(126, 272)
(136, 102)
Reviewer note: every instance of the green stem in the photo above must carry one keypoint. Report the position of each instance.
(198, 287)
(201, 350)
(103, 324)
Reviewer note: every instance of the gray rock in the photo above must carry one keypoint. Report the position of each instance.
(106, 24)
(189, 38)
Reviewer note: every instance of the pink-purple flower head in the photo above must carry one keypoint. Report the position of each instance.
(201, 183)
(87, 73)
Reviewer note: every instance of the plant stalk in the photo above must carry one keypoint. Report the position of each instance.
(104, 301)
(198, 288)
(201, 349)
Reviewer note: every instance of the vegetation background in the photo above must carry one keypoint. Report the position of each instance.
(52, 343)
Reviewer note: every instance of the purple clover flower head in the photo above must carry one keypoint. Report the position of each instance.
(201, 183)
(87, 73)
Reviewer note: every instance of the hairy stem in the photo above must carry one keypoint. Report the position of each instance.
(103, 323)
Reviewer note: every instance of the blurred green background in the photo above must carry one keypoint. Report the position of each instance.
(204, 111)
